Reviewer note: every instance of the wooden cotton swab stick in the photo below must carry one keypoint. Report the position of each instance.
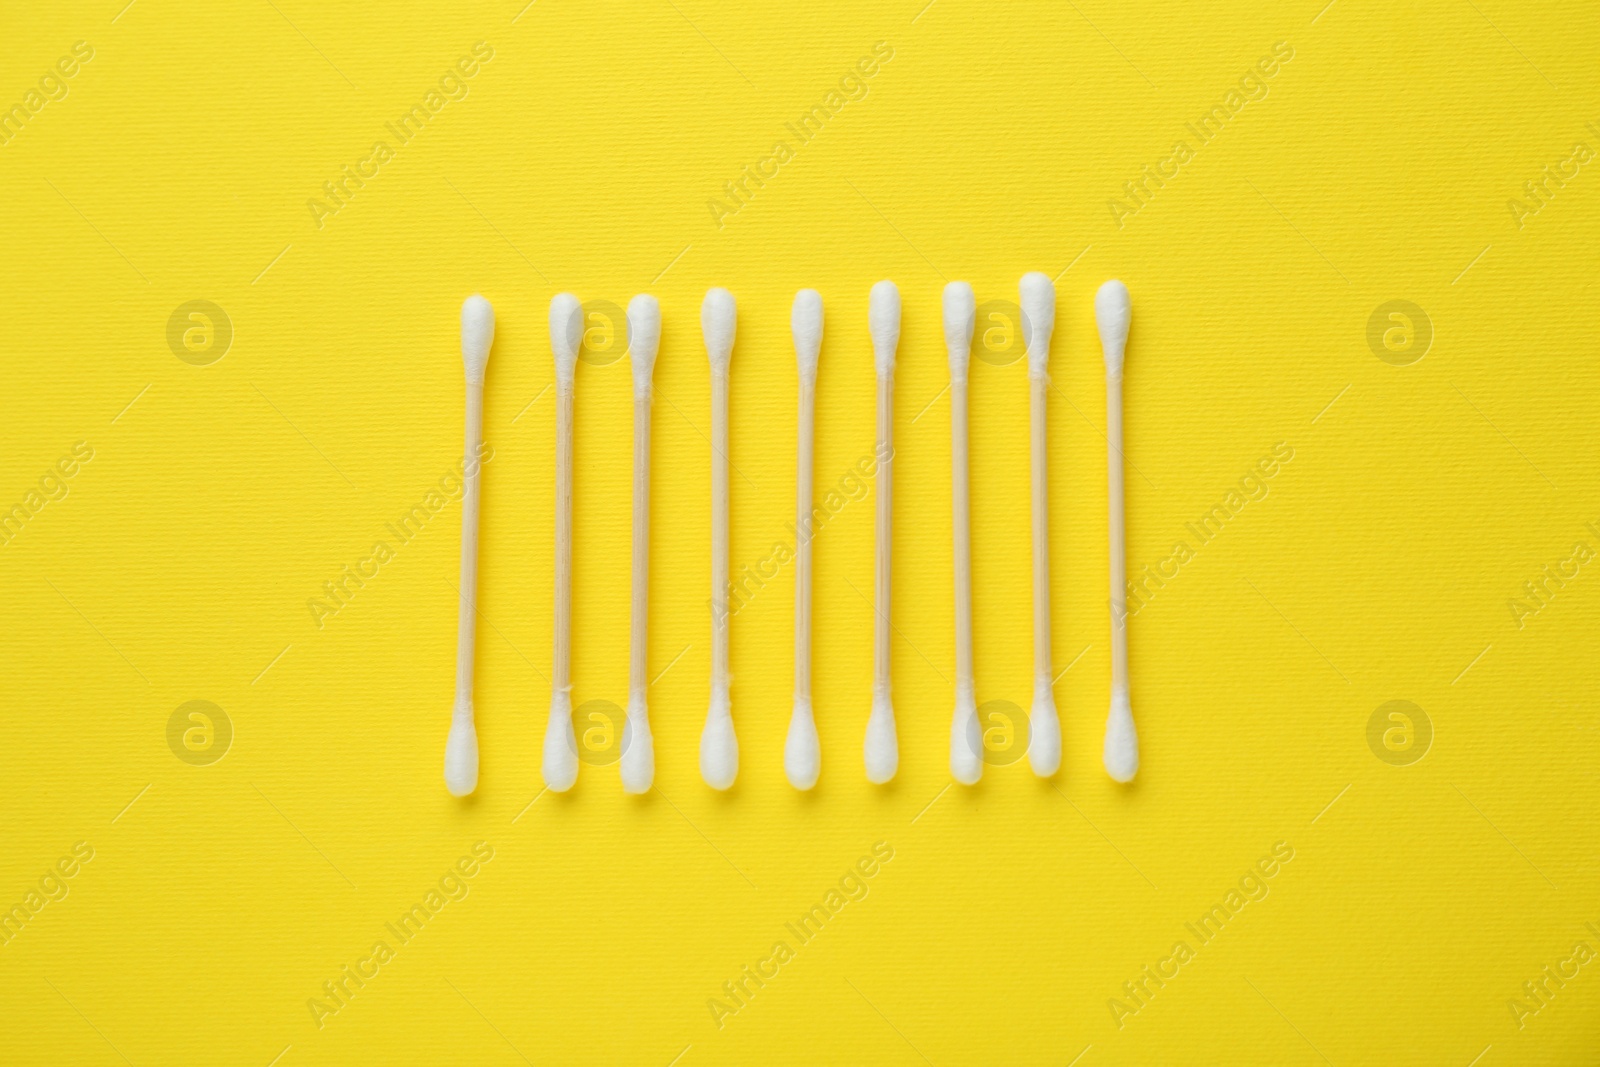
(560, 744)
(1039, 320)
(966, 764)
(882, 750)
(719, 748)
(461, 749)
(802, 753)
(1112, 311)
(638, 749)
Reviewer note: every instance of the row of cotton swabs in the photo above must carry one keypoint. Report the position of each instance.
(719, 749)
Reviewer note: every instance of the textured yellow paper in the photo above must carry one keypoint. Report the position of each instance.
(229, 465)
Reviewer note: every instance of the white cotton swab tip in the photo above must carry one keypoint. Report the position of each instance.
(560, 744)
(805, 321)
(966, 741)
(644, 338)
(719, 317)
(639, 749)
(566, 334)
(1112, 312)
(883, 322)
(1122, 740)
(960, 311)
(461, 756)
(802, 751)
(1044, 731)
(1038, 318)
(883, 742)
(477, 336)
(719, 748)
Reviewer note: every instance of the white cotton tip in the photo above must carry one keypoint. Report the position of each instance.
(461, 752)
(644, 337)
(802, 752)
(960, 311)
(805, 321)
(966, 741)
(566, 334)
(1044, 731)
(1038, 319)
(560, 745)
(883, 321)
(638, 749)
(1112, 311)
(719, 317)
(719, 748)
(477, 336)
(1122, 741)
(882, 750)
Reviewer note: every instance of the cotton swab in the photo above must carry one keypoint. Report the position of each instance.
(883, 321)
(719, 748)
(560, 744)
(638, 753)
(1044, 728)
(1112, 311)
(802, 753)
(959, 319)
(461, 749)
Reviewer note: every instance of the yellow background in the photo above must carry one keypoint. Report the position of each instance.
(1379, 567)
